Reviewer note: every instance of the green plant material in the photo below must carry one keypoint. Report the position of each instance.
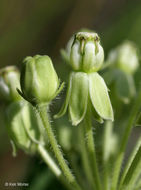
(9, 81)
(46, 157)
(39, 81)
(109, 149)
(109, 139)
(65, 53)
(78, 97)
(124, 57)
(65, 135)
(24, 127)
(81, 87)
(124, 140)
(130, 161)
(87, 97)
(85, 156)
(129, 90)
(66, 170)
(123, 62)
(99, 96)
(133, 173)
(91, 147)
(86, 54)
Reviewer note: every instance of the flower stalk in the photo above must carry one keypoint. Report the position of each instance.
(91, 147)
(66, 170)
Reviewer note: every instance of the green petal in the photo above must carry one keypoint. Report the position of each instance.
(99, 96)
(78, 98)
(65, 105)
(125, 87)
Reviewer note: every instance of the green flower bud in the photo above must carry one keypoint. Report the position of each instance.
(124, 62)
(86, 54)
(24, 126)
(9, 81)
(85, 89)
(125, 57)
(39, 81)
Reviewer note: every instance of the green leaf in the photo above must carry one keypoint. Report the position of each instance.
(65, 105)
(99, 96)
(79, 97)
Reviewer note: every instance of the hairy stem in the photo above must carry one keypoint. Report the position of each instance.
(107, 137)
(85, 158)
(52, 165)
(91, 148)
(48, 160)
(66, 170)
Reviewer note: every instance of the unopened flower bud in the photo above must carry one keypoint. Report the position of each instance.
(39, 81)
(24, 126)
(87, 54)
(9, 81)
(125, 57)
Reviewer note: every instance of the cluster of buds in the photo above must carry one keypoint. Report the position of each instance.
(39, 85)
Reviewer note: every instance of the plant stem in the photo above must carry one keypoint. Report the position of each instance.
(124, 141)
(48, 160)
(91, 147)
(85, 158)
(107, 137)
(67, 172)
(52, 165)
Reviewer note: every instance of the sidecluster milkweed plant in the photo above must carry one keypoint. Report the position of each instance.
(101, 162)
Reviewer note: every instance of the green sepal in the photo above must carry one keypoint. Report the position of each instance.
(65, 105)
(99, 96)
(79, 97)
(59, 90)
(125, 87)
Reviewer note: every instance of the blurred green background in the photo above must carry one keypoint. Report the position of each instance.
(29, 27)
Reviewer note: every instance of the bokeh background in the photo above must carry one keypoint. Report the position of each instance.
(30, 27)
